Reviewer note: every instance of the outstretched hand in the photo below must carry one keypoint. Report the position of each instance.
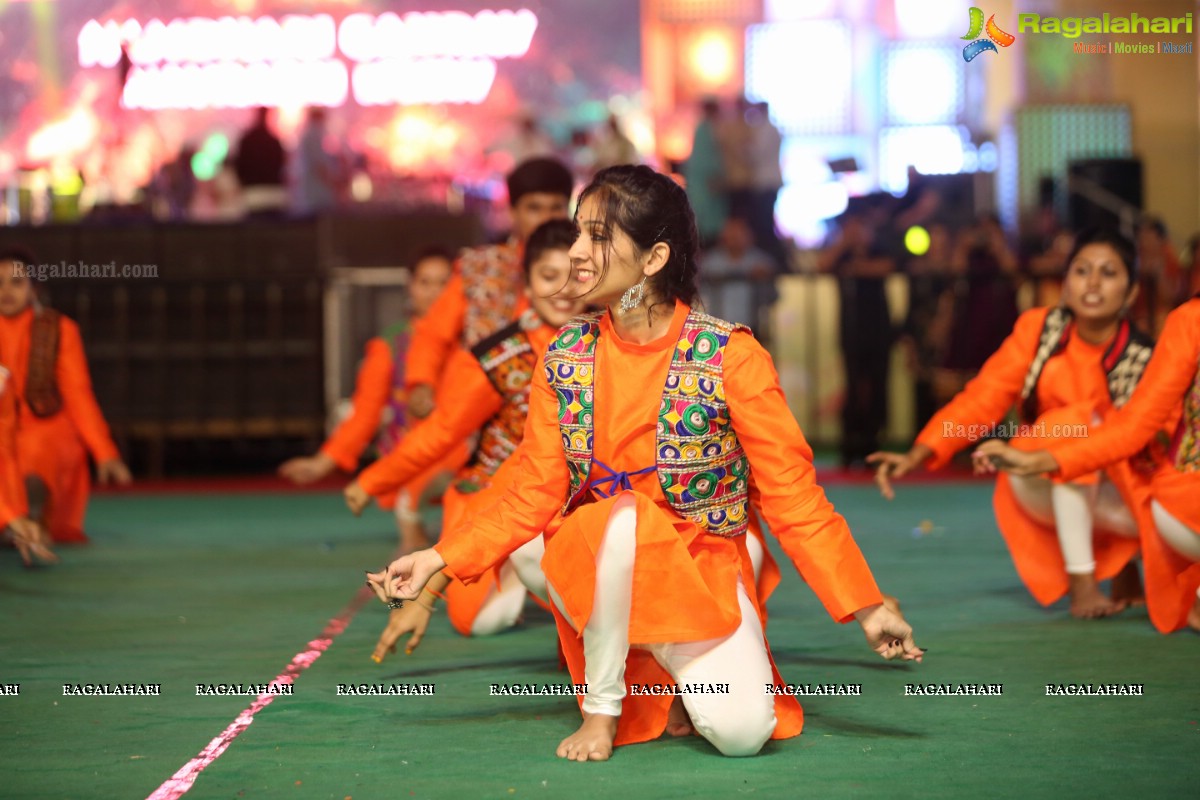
(888, 633)
(891, 466)
(414, 619)
(31, 541)
(356, 498)
(405, 577)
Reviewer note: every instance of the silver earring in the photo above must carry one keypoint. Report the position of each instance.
(633, 296)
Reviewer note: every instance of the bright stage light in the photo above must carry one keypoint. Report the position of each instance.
(916, 240)
(711, 58)
(932, 149)
(922, 84)
(802, 69)
(931, 19)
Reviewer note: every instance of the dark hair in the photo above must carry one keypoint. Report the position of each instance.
(650, 208)
(547, 175)
(1155, 224)
(1123, 247)
(432, 251)
(557, 234)
(17, 253)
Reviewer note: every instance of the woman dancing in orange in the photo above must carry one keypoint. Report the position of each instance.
(646, 427)
(1063, 368)
(58, 420)
(1171, 549)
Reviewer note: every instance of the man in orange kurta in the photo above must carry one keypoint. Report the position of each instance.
(1172, 377)
(59, 422)
(486, 292)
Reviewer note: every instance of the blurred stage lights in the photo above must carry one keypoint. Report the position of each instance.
(711, 58)
(922, 84)
(916, 240)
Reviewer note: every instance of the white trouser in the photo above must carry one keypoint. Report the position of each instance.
(1179, 537)
(521, 572)
(405, 508)
(737, 723)
(1074, 510)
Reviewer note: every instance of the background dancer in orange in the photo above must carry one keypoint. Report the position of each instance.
(1171, 550)
(59, 422)
(487, 290)
(645, 429)
(27, 536)
(379, 409)
(1064, 369)
(486, 390)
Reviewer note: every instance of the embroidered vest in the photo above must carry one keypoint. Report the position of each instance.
(492, 280)
(41, 387)
(395, 419)
(1124, 361)
(1187, 439)
(509, 360)
(702, 467)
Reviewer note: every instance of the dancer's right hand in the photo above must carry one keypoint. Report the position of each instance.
(420, 401)
(888, 633)
(896, 465)
(307, 469)
(413, 618)
(31, 541)
(405, 577)
(995, 454)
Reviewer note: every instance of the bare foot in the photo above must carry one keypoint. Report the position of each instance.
(1087, 601)
(1193, 620)
(1127, 587)
(592, 742)
(678, 721)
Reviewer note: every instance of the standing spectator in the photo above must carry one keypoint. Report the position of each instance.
(614, 147)
(704, 174)
(316, 168)
(766, 179)
(861, 263)
(734, 137)
(926, 331)
(1159, 276)
(259, 166)
(744, 287)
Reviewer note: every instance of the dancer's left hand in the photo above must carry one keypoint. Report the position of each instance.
(356, 498)
(405, 577)
(113, 471)
(995, 455)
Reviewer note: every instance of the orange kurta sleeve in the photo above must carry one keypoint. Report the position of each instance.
(535, 495)
(472, 403)
(988, 396)
(1171, 370)
(372, 387)
(12, 489)
(435, 335)
(79, 401)
(815, 537)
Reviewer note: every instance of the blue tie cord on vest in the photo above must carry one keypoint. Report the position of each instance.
(617, 481)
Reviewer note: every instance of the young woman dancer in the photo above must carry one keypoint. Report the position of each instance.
(59, 422)
(1171, 549)
(1063, 368)
(649, 427)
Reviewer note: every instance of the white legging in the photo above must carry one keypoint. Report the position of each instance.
(520, 573)
(1073, 510)
(737, 723)
(1179, 537)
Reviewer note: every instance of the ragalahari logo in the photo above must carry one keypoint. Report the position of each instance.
(995, 35)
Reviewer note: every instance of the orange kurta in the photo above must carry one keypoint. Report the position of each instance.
(436, 334)
(56, 448)
(372, 390)
(685, 580)
(1171, 580)
(12, 487)
(470, 401)
(1072, 389)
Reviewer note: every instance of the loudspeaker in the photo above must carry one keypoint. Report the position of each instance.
(1098, 188)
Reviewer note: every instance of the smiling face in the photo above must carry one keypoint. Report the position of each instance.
(605, 261)
(549, 289)
(16, 290)
(1097, 284)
